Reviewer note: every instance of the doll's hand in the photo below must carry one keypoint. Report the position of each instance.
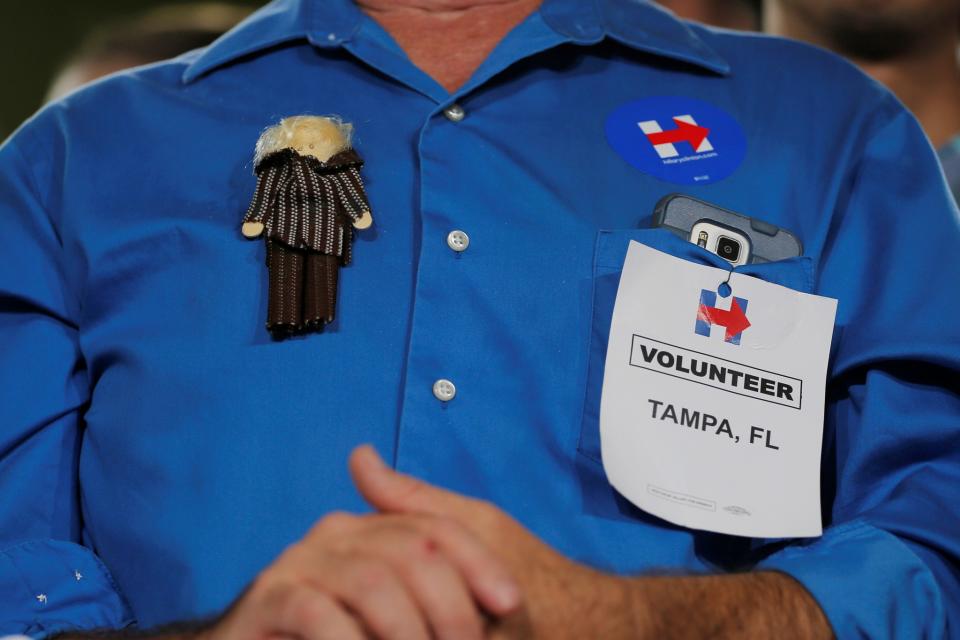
(252, 229)
(364, 221)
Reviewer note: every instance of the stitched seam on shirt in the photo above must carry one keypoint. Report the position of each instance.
(15, 547)
(28, 588)
(590, 323)
(848, 529)
(313, 19)
(810, 273)
(889, 109)
(102, 568)
(126, 609)
(38, 194)
(34, 182)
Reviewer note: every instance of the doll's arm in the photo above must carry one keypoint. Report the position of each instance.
(353, 197)
(269, 183)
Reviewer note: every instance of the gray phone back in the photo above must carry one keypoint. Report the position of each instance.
(679, 213)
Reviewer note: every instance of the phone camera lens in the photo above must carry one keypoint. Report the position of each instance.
(728, 248)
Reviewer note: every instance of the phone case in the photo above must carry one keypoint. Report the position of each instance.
(679, 213)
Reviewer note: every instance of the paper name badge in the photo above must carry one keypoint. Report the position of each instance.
(712, 408)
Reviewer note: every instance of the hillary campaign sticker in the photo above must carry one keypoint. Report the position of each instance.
(711, 415)
(679, 140)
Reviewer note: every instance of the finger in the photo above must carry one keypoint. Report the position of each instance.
(436, 585)
(310, 614)
(387, 490)
(487, 577)
(377, 595)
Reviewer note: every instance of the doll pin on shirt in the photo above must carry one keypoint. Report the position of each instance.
(309, 198)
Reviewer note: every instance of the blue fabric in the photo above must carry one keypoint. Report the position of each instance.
(949, 155)
(146, 416)
(52, 584)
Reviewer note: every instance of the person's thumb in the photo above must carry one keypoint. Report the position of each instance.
(389, 491)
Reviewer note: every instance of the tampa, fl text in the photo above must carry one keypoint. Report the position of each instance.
(702, 421)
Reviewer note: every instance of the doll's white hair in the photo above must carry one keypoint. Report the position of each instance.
(280, 136)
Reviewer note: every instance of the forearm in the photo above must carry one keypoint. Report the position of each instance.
(748, 605)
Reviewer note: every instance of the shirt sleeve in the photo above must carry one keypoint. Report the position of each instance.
(49, 581)
(887, 564)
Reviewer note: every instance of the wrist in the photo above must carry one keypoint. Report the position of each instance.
(753, 605)
(612, 607)
(639, 607)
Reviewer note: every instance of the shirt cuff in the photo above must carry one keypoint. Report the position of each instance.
(52, 585)
(868, 582)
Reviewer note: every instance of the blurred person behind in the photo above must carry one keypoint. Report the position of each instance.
(159, 34)
(908, 45)
(729, 14)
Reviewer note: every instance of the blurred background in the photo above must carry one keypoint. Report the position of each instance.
(49, 47)
(39, 38)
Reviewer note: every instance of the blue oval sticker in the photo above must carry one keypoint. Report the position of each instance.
(679, 140)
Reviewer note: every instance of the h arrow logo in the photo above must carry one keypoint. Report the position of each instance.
(733, 320)
(687, 131)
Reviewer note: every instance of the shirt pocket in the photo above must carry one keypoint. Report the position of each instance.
(609, 253)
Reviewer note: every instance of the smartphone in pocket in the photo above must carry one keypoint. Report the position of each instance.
(737, 238)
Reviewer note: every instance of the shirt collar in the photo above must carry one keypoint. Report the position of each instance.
(640, 24)
(325, 23)
(330, 23)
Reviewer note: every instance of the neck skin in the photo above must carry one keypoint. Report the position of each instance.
(927, 79)
(448, 39)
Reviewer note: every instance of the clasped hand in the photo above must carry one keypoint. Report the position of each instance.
(428, 564)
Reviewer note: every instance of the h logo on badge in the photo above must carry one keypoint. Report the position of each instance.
(664, 142)
(733, 320)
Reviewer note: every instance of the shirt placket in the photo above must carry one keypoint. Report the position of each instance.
(440, 380)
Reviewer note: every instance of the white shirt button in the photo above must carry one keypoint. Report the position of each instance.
(458, 240)
(444, 390)
(454, 113)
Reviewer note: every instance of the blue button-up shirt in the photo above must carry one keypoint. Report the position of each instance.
(949, 155)
(158, 449)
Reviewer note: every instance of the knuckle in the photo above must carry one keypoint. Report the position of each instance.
(271, 591)
(369, 576)
(425, 549)
(427, 546)
(445, 530)
(293, 563)
(427, 525)
(486, 508)
(334, 522)
(416, 556)
(292, 555)
(488, 514)
(407, 489)
(445, 525)
(459, 623)
(309, 610)
(411, 530)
